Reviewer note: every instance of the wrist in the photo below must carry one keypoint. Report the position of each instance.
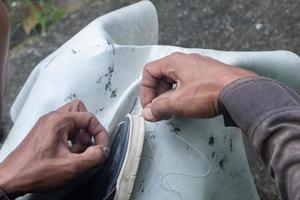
(7, 184)
(234, 75)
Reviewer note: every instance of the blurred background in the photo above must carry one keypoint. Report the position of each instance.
(38, 27)
(33, 17)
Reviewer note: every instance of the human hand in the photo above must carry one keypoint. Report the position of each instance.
(198, 81)
(45, 160)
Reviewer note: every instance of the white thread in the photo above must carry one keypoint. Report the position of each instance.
(163, 177)
(172, 189)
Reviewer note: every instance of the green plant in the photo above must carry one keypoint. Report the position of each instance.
(36, 13)
(42, 13)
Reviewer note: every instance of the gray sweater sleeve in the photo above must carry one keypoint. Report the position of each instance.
(268, 112)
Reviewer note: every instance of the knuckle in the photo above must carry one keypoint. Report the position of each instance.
(92, 118)
(95, 122)
(147, 67)
(91, 115)
(198, 57)
(78, 103)
(177, 55)
(146, 74)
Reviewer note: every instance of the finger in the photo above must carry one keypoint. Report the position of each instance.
(74, 106)
(163, 87)
(153, 73)
(78, 148)
(88, 122)
(159, 109)
(91, 157)
(81, 141)
(84, 137)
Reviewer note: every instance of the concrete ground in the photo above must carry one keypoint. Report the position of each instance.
(218, 24)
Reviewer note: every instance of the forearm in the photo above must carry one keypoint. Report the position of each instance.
(269, 114)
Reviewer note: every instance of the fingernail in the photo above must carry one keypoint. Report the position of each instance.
(147, 114)
(106, 151)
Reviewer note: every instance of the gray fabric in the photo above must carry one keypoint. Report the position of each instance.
(268, 112)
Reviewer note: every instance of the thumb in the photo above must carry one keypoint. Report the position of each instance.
(158, 109)
(93, 156)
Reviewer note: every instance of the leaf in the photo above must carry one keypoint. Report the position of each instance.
(32, 12)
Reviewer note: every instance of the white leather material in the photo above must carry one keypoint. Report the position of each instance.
(102, 65)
